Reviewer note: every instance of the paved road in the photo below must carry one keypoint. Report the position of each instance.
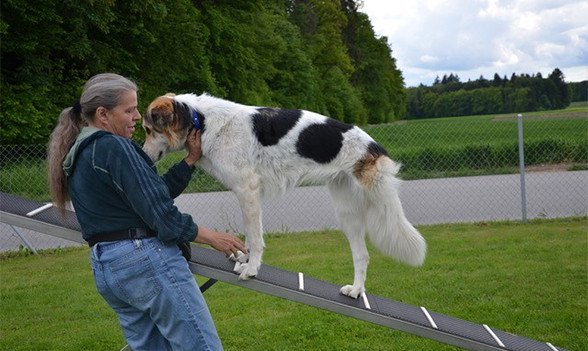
(447, 200)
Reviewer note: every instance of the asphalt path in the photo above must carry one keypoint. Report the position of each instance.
(431, 201)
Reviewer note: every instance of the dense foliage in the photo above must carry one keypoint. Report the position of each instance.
(578, 91)
(520, 93)
(318, 55)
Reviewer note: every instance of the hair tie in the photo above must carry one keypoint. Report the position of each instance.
(77, 108)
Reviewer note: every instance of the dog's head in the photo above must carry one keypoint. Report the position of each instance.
(166, 123)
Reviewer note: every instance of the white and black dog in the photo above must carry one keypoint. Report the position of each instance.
(259, 151)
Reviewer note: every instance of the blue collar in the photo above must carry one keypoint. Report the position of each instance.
(195, 119)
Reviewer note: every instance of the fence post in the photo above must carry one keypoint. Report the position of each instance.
(522, 167)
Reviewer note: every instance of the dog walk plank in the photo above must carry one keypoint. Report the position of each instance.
(297, 287)
(282, 283)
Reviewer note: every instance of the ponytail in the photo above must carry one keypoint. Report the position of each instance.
(102, 89)
(62, 139)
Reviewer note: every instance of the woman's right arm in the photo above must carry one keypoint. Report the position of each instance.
(179, 175)
(224, 242)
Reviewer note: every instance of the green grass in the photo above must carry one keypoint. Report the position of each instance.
(475, 145)
(27, 178)
(528, 279)
(571, 122)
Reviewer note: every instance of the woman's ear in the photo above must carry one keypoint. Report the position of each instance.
(101, 115)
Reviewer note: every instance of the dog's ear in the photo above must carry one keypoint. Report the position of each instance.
(182, 115)
(160, 112)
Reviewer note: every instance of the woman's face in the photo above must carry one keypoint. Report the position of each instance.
(121, 120)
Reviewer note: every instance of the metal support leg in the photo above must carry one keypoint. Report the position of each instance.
(24, 240)
(210, 282)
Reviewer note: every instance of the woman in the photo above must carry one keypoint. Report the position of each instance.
(127, 215)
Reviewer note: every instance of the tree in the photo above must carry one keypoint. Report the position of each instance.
(486, 101)
(321, 24)
(43, 59)
(375, 77)
(51, 48)
(579, 91)
(562, 95)
(524, 92)
(497, 81)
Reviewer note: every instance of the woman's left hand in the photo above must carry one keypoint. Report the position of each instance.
(194, 147)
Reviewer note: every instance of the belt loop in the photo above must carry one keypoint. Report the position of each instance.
(95, 252)
(138, 243)
(132, 233)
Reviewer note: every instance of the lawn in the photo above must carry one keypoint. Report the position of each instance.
(529, 279)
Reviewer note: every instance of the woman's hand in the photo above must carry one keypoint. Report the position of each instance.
(223, 242)
(194, 147)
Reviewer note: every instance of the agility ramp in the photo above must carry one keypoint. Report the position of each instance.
(44, 218)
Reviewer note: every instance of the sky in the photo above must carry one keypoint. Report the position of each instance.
(470, 38)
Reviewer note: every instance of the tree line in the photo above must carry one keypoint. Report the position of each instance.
(451, 97)
(320, 55)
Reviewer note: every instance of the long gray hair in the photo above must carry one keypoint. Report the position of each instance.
(101, 90)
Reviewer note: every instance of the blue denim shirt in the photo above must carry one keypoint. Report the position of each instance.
(113, 185)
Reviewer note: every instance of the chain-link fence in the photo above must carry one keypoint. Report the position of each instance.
(464, 169)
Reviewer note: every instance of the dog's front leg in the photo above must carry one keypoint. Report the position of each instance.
(249, 198)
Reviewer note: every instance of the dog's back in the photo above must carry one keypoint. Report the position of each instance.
(304, 147)
(283, 147)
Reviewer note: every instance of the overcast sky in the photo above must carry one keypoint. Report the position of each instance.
(431, 38)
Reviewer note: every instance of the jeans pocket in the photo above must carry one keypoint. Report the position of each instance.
(135, 278)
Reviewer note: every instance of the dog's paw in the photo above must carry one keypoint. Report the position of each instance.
(352, 291)
(246, 271)
(240, 257)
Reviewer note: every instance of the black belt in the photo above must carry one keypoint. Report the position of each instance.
(129, 234)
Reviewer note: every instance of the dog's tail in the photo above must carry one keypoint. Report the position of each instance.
(387, 226)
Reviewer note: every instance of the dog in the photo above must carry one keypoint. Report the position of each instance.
(259, 152)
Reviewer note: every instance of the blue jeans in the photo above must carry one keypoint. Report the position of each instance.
(152, 290)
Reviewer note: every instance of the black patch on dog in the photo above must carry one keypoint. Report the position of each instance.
(272, 124)
(322, 142)
(376, 150)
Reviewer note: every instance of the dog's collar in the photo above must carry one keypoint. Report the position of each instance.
(195, 119)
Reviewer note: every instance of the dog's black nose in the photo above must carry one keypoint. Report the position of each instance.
(160, 154)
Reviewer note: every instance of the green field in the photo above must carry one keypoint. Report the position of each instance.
(528, 279)
(429, 148)
(476, 145)
(571, 123)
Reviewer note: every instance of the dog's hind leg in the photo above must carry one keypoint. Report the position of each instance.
(349, 205)
(248, 194)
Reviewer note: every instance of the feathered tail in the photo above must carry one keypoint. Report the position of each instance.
(387, 226)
